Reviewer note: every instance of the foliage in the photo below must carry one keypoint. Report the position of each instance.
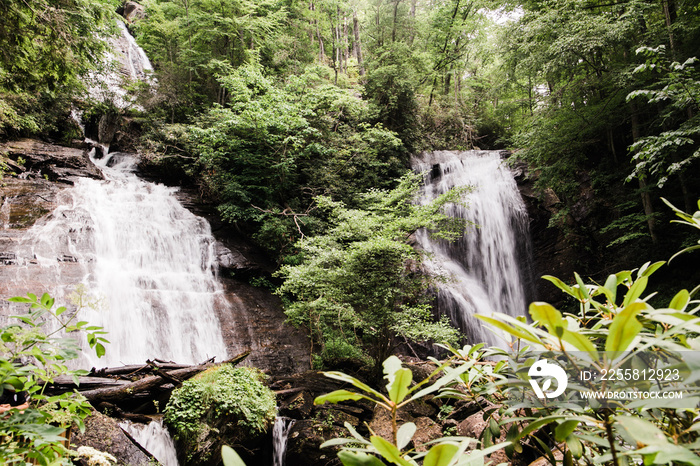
(33, 352)
(686, 219)
(273, 147)
(608, 323)
(446, 451)
(360, 282)
(677, 88)
(47, 46)
(222, 392)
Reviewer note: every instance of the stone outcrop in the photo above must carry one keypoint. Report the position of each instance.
(104, 434)
(31, 158)
(133, 12)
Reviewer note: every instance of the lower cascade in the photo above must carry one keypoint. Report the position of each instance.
(487, 268)
(149, 261)
(155, 438)
(280, 434)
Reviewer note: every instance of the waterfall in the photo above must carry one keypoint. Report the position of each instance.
(150, 260)
(280, 434)
(126, 62)
(486, 268)
(155, 438)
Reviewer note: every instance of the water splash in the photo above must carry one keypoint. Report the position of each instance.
(487, 264)
(280, 435)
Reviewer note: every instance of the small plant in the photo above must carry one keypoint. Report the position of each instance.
(445, 451)
(31, 357)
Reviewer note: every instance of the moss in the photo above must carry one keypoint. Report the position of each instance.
(221, 396)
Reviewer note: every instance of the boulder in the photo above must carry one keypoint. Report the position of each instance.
(104, 434)
(37, 159)
(133, 12)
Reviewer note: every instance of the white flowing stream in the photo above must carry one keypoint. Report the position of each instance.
(150, 260)
(487, 267)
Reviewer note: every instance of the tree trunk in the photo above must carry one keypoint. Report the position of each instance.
(114, 390)
(357, 43)
(643, 187)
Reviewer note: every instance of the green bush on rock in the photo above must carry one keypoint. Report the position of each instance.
(218, 404)
(218, 392)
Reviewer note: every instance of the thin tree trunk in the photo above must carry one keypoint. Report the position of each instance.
(357, 43)
(412, 14)
(346, 43)
(643, 187)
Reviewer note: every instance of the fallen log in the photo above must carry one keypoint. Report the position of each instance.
(108, 389)
(150, 382)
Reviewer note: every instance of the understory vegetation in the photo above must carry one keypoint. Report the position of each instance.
(297, 120)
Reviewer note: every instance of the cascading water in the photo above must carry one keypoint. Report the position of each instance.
(280, 434)
(155, 439)
(130, 242)
(149, 258)
(486, 268)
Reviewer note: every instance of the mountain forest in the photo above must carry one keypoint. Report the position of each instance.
(397, 224)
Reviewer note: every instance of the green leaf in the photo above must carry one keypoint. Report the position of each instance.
(516, 332)
(579, 341)
(398, 388)
(351, 458)
(611, 288)
(230, 457)
(560, 284)
(547, 315)
(388, 451)
(575, 446)
(635, 291)
(624, 328)
(352, 380)
(680, 301)
(405, 434)
(582, 286)
(646, 270)
(338, 396)
(20, 299)
(564, 429)
(641, 431)
(440, 455)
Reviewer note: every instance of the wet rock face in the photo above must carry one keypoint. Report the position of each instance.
(41, 172)
(254, 320)
(555, 252)
(104, 434)
(36, 159)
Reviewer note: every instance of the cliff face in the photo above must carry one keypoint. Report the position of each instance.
(38, 179)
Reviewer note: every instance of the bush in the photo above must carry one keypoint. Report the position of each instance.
(221, 393)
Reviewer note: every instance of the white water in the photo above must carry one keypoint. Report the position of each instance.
(280, 434)
(485, 264)
(155, 438)
(149, 259)
(126, 62)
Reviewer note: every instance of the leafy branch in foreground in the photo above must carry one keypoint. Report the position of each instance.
(32, 355)
(446, 451)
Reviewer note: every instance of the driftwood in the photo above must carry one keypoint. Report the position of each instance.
(101, 386)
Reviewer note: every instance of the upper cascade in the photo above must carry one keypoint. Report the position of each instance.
(487, 269)
(126, 62)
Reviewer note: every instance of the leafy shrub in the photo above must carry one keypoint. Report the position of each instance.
(32, 357)
(221, 392)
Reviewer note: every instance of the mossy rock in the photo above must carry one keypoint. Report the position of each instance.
(221, 406)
